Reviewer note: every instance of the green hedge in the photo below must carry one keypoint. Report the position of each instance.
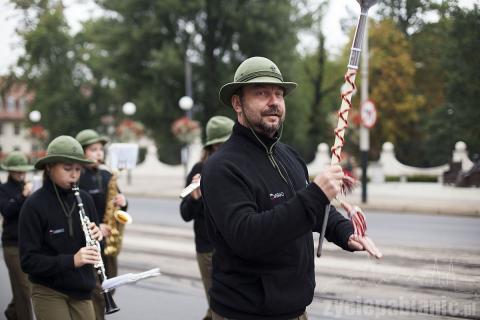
(416, 178)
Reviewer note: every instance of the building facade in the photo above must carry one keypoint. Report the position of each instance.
(14, 106)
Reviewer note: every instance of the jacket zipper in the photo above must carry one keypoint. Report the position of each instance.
(274, 162)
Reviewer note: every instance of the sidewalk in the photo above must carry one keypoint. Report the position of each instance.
(420, 197)
(432, 198)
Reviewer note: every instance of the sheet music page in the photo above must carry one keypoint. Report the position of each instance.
(129, 278)
(123, 155)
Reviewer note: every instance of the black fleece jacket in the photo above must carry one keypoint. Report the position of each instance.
(192, 209)
(46, 245)
(95, 182)
(261, 212)
(11, 201)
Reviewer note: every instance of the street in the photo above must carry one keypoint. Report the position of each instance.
(431, 269)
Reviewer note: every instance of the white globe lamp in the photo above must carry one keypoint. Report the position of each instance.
(185, 103)
(129, 108)
(35, 116)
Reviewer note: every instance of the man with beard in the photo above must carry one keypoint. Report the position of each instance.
(261, 209)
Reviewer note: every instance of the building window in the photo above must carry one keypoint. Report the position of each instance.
(16, 129)
(16, 148)
(1, 128)
(22, 104)
(10, 104)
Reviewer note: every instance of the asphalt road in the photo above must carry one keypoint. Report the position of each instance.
(178, 293)
(404, 229)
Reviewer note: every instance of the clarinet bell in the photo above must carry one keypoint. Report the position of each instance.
(110, 306)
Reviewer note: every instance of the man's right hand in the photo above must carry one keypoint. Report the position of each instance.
(86, 255)
(330, 181)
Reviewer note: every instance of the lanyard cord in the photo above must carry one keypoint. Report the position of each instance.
(68, 214)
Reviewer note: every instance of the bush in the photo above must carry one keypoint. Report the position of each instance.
(422, 178)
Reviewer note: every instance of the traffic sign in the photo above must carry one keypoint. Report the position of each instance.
(368, 114)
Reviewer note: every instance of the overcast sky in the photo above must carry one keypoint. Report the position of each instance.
(80, 10)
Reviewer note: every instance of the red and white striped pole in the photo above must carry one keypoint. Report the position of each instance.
(358, 219)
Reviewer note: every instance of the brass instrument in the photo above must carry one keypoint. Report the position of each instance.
(115, 219)
(110, 306)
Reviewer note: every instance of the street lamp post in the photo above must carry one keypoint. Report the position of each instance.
(186, 104)
(364, 131)
(129, 109)
(35, 116)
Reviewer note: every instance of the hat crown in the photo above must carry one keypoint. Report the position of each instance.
(256, 67)
(16, 158)
(219, 128)
(65, 146)
(87, 135)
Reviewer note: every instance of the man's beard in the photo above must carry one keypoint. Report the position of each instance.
(261, 126)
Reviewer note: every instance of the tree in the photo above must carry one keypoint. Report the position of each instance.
(142, 46)
(52, 70)
(463, 83)
(407, 14)
(392, 89)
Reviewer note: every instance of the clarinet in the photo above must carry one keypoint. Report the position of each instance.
(110, 306)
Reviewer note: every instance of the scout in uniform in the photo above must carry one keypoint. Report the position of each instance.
(96, 180)
(52, 237)
(12, 196)
(218, 130)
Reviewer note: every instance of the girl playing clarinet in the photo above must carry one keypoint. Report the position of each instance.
(52, 241)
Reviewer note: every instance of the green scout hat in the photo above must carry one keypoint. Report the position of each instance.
(219, 129)
(63, 149)
(254, 70)
(16, 161)
(88, 136)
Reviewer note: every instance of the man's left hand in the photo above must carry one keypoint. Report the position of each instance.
(364, 244)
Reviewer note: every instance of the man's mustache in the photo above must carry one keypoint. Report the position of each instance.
(272, 111)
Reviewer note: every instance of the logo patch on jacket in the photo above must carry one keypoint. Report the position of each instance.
(277, 197)
(57, 231)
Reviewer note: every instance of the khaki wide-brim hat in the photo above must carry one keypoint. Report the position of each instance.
(63, 149)
(219, 129)
(16, 161)
(88, 136)
(254, 70)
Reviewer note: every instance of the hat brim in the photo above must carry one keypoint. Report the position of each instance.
(215, 141)
(227, 91)
(40, 164)
(22, 168)
(102, 140)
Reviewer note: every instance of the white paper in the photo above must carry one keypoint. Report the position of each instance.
(123, 279)
(123, 155)
(189, 189)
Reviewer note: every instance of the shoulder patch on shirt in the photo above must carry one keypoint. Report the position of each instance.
(57, 231)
